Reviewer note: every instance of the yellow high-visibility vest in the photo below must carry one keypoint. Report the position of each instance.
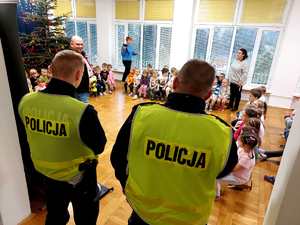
(52, 127)
(174, 159)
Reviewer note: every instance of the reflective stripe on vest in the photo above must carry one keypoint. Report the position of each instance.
(174, 159)
(52, 127)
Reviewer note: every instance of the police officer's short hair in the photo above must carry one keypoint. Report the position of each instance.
(66, 62)
(196, 77)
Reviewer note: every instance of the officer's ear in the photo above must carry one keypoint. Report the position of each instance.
(208, 95)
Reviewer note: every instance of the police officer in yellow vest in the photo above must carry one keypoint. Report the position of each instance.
(167, 157)
(65, 137)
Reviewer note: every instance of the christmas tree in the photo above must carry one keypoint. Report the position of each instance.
(47, 38)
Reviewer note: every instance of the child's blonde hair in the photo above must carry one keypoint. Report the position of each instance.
(49, 75)
(263, 106)
(154, 71)
(173, 69)
(227, 80)
(146, 72)
(133, 68)
(263, 89)
(32, 71)
(176, 72)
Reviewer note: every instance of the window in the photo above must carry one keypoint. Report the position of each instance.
(221, 49)
(70, 29)
(159, 10)
(127, 10)
(119, 41)
(149, 45)
(244, 38)
(263, 11)
(88, 32)
(201, 43)
(164, 46)
(222, 27)
(85, 9)
(265, 57)
(134, 31)
(93, 41)
(216, 11)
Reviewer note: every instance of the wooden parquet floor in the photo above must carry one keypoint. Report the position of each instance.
(235, 207)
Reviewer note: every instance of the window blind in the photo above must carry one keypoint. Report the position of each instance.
(216, 10)
(93, 43)
(63, 7)
(263, 11)
(159, 10)
(149, 45)
(119, 41)
(134, 31)
(82, 32)
(70, 28)
(127, 10)
(221, 48)
(85, 9)
(164, 47)
(201, 43)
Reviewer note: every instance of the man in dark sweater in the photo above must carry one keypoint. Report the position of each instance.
(143, 176)
(82, 92)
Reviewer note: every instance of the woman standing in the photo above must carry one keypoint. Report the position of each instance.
(239, 73)
(127, 52)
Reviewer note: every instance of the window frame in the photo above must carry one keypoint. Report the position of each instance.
(255, 49)
(142, 22)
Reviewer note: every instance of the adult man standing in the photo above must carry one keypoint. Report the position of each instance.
(82, 92)
(59, 129)
(175, 153)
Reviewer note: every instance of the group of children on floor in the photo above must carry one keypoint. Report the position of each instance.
(149, 83)
(249, 133)
(102, 80)
(36, 81)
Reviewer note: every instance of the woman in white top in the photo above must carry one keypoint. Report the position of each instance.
(239, 73)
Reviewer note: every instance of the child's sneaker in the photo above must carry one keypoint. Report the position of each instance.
(151, 98)
(269, 179)
(130, 94)
(110, 92)
(162, 99)
(144, 97)
(157, 98)
(222, 109)
(134, 97)
(139, 97)
(125, 92)
(210, 109)
(217, 198)
(219, 108)
(205, 108)
(101, 93)
(104, 93)
(114, 88)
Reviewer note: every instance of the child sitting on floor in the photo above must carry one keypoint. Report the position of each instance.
(41, 84)
(111, 77)
(162, 84)
(152, 84)
(136, 83)
(246, 161)
(130, 80)
(263, 106)
(247, 113)
(213, 98)
(144, 84)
